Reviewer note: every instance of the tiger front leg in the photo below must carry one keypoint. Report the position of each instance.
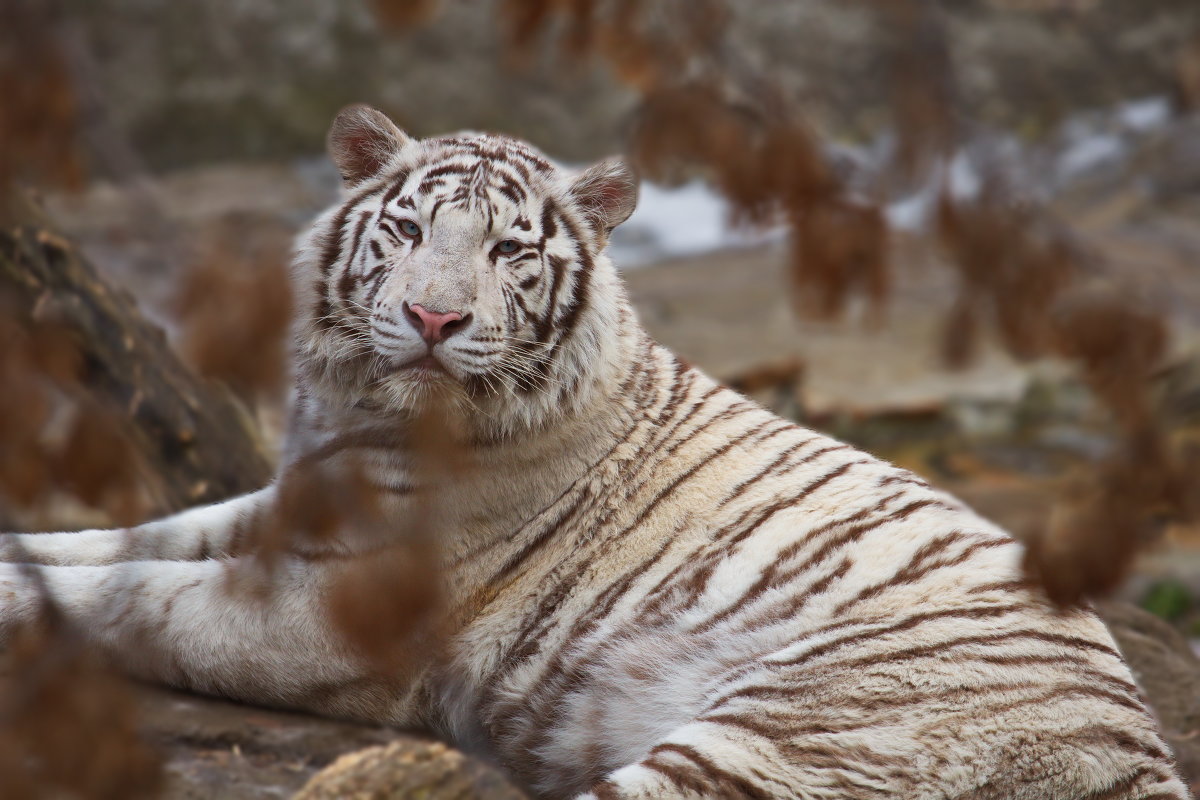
(192, 535)
(234, 628)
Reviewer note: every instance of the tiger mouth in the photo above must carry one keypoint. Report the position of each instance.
(426, 369)
(425, 363)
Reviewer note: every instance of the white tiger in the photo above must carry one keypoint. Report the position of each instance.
(661, 589)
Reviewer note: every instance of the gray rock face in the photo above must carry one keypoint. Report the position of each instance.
(1168, 672)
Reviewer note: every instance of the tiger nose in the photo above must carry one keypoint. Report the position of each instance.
(434, 326)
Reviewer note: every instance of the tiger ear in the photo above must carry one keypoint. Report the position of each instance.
(362, 141)
(607, 194)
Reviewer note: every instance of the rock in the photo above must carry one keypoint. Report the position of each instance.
(218, 750)
(409, 769)
(1168, 673)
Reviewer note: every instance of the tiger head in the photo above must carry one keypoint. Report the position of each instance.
(462, 270)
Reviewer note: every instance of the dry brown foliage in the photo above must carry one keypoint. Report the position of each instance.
(1013, 262)
(54, 436)
(1045, 295)
(67, 723)
(234, 309)
(1188, 69)
(704, 111)
(385, 594)
(400, 15)
(385, 599)
(39, 126)
(387, 603)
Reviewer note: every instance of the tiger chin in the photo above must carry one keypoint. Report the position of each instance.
(660, 589)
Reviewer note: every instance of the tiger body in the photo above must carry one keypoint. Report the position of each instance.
(659, 589)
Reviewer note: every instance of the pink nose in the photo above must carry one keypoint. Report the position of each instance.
(435, 326)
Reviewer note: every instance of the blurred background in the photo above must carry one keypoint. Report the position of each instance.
(964, 235)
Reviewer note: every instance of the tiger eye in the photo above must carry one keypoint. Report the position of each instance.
(508, 247)
(410, 228)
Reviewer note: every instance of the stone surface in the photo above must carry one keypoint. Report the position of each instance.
(1168, 672)
(409, 769)
(218, 750)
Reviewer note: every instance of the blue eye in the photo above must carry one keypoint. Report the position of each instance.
(410, 229)
(508, 247)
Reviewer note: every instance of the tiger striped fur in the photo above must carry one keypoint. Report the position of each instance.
(661, 589)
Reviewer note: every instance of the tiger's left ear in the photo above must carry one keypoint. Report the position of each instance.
(361, 141)
(607, 194)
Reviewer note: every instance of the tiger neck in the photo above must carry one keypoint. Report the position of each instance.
(512, 479)
(505, 480)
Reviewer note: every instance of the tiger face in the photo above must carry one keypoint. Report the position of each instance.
(463, 270)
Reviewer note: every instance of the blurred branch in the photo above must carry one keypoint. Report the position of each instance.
(193, 443)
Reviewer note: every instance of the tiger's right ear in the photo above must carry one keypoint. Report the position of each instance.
(607, 193)
(362, 141)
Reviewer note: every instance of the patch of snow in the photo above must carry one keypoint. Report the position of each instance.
(911, 213)
(914, 212)
(964, 181)
(1090, 152)
(1145, 115)
(686, 220)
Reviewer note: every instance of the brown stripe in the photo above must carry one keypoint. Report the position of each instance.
(333, 235)
(566, 583)
(720, 781)
(908, 623)
(543, 323)
(915, 570)
(792, 605)
(1021, 586)
(538, 540)
(704, 461)
(854, 534)
(740, 488)
(605, 790)
(1114, 738)
(939, 649)
(549, 228)
(580, 292)
(787, 502)
(346, 283)
(397, 183)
